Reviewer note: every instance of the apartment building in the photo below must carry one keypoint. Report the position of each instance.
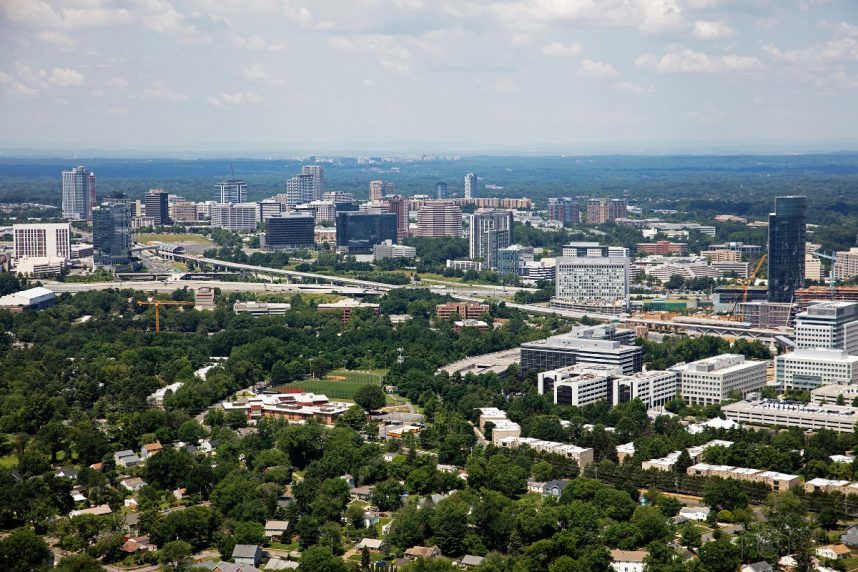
(583, 456)
(42, 240)
(593, 280)
(773, 479)
(439, 218)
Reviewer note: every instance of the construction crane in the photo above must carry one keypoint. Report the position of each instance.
(748, 281)
(833, 259)
(158, 304)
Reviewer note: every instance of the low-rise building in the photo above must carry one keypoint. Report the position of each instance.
(465, 310)
(261, 308)
(834, 393)
(773, 479)
(583, 456)
(276, 528)
(388, 249)
(31, 299)
(478, 325)
(811, 368)
(293, 407)
(247, 554)
(346, 306)
(771, 412)
(710, 381)
(628, 560)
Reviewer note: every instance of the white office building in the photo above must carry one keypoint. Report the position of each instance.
(593, 280)
(42, 240)
(808, 369)
(831, 393)
(268, 209)
(235, 216)
(389, 250)
(653, 388)
(584, 384)
(711, 380)
(828, 325)
(470, 185)
(771, 412)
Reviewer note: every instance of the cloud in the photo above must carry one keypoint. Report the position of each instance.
(560, 49)
(590, 68)
(12, 85)
(256, 43)
(634, 88)
(65, 77)
(496, 84)
(234, 99)
(843, 47)
(712, 30)
(390, 51)
(59, 39)
(259, 72)
(161, 92)
(682, 60)
(659, 16)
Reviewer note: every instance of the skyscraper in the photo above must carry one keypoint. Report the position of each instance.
(230, 191)
(363, 230)
(399, 206)
(440, 190)
(470, 185)
(439, 218)
(111, 233)
(286, 231)
(787, 233)
(488, 232)
(376, 188)
(318, 176)
(299, 189)
(157, 207)
(564, 209)
(78, 193)
(605, 210)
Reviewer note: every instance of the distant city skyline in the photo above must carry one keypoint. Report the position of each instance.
(411, 75)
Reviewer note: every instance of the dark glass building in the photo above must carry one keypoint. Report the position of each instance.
(440, 190)
(787, 233)
(157, 206)
(362, 230)
(285, 231)
(111, 233)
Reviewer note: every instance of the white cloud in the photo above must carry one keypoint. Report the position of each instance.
(842, 48)
(234, 99)
(390, 50)
(261, 73)
(560, 49)
(256, 43)
(496, 84)
(14, 86)
(59, 39)
(161, 92)
(117, 81)
(659, 16)
(628, 87)
(712, 29)
(65, 77)
(680, 59)
(591, 68)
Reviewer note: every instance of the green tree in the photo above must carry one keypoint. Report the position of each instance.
(176, 555)
(23, 551)
(370, 396)
(387, 495)
(320, 559)
(720, 556)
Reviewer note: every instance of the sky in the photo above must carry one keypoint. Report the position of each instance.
(421, 74)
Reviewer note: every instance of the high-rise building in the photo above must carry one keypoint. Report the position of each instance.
(360, 230)
(42, 240)
(564, 209)
(78, 193)
(470, 185)
(828, 325)
(230, 191)
(317, 172)
(286, 231)
(488, 232)
(157, 207)
(376, 190)
(300, 189)
(593, 280)
(602, 210)
(268, 208)
(511, 260)
(564, 350)
(398, 206)
(111, 233)
(440, 190)
(338, 197)
(182, 211)
(235, 216)
(811, 368)
(324, 211)
(846, 265)
(787, 234)
(439, 218)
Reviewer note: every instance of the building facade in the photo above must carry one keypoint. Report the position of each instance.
(787, 236)
(564, 209)
(771, 412)
(811, 368)
(157, 207)
(42, 240)
(288, 231)
(440, 190)
(111, 234)
(488, 232)
(828, 325)
(78, 193)
(596, 280)
(710, 381)
(439, 218)
(561, 351)
(470, 185)
(235, 216)
(603, 210)
(361, 230)
(230, 191)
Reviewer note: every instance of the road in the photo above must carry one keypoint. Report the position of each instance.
(167, 286)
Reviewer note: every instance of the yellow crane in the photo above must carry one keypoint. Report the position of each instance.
(749, 281)
(158, 304)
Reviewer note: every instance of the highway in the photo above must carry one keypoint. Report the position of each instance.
(167, 286)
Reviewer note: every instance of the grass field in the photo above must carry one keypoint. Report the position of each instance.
(172, 238)
(9, 461)
(340, 383)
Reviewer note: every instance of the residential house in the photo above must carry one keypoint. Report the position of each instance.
(278, 563)
(77, 495)
(757, 567)
(138, 544)
(150, 449)
(230, 567)
(247, 554)
(370, 518)
(131, 503)
(126, 458)
(698, 513)
(275, 529)
(362, 493)
(372, 544)
(833, 551)
(628, 560)
(99, 510)
(349, 479)
(850, 537)
(535, 487)
(67, 473)
(555, 488)
(133, 484)
(416, 552)
(208, 446)
(180, 494)
(469, 561)
(131, 522)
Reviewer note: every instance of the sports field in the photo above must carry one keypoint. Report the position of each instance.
(339, 383)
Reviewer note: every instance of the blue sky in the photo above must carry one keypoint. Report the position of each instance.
(265, 73)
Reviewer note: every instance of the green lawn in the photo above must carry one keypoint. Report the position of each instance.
(172, 238)
(8, 461)
(340, 383)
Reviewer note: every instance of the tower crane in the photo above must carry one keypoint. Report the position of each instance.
(158, 304)
(748, 281)
(833, 259)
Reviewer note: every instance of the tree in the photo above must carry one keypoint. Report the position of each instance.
(78, 563)
(320, 559)
(387, 495)
(23, 551)
(175, 554)
(370, 396)
(364, 558)
(542, 471)
(720, 556)
(827, 518)
(725, 494)
(353, 418)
